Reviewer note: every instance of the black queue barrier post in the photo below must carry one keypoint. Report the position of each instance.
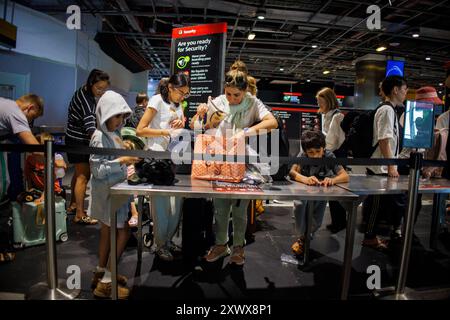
(54, 289)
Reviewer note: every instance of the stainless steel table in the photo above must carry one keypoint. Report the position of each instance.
(363, 185)
(192, 188)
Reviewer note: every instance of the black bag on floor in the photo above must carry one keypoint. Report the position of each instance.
(251, 222)
(197, 229)
(6, 227)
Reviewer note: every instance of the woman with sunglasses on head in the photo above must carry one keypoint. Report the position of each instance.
(241, 111)
(163, 116)
(81, 124)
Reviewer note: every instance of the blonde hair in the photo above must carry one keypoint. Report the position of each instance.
(329, 96)
(34, 99)
(240, 66)
(252, 86)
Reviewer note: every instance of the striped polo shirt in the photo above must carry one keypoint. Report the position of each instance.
(81, 121)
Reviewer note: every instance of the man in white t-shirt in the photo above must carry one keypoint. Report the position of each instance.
(386, 134)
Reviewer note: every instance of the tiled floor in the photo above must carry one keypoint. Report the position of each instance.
(264, 276)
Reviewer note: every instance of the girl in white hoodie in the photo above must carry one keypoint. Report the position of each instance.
(112, 111)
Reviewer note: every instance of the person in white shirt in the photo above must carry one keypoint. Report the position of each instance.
(386, 134)
(334, 137)
(164, 115)
(332, 118)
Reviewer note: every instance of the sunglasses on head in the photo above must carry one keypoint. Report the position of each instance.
(239, 82)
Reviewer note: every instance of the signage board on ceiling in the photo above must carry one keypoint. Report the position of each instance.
(199, 52)
(8, 34)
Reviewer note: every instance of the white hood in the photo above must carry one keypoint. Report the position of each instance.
(110, 104)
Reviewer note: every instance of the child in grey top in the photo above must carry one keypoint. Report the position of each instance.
(313, 145)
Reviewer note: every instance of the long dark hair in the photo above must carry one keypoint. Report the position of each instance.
(95, 76)
(177, 80)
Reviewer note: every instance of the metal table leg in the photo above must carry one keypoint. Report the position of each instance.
(139, 234)
(436, 213)
(116, 202)
(352, 209)
(309, 216)
(113, 252)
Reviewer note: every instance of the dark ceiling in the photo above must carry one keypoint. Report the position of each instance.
(282, 48)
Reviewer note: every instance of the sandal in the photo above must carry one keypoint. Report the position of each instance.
(85, 220)
(376, 243)
(7, 256)
(74, 211)
(298, 247)
(133, 222)
(71, 210)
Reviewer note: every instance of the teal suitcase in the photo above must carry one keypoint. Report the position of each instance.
(29, 223)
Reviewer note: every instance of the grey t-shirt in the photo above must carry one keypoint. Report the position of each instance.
(12, 119)
(322, 171)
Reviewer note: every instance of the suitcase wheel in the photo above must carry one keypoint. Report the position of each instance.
(18, 245)
(64, 237)
(148, 240)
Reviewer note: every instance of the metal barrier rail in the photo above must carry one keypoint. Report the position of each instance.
(193, 156)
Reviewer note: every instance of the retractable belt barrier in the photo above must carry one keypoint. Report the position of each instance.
(53, 289)
(218, 157)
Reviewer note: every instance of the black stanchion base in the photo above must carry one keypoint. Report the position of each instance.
(411, 294)
(41, 291)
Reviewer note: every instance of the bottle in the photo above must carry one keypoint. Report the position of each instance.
(59, 172)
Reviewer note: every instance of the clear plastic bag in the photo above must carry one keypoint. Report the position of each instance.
(288, 258)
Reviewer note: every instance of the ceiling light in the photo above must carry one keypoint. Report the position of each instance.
(283, 82)
(415, 35)
(427, 58)
(307, 80)
(440, 92)
(394, 44)
(381, 48)
(314, 46)
(281, 69)
(261, 14)
(441, 84)
(326, 72)
(251, 36)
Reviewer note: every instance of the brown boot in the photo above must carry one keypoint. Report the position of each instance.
(121, 280)
(237, 256)
(103, 290)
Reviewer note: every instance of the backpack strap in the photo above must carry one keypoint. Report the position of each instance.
(335, 112)
(396, 123)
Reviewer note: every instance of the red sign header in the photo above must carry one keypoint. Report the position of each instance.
(200, 30)
(294, 94)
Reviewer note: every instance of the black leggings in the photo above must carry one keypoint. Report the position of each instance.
(338, 214)
(394, 205)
